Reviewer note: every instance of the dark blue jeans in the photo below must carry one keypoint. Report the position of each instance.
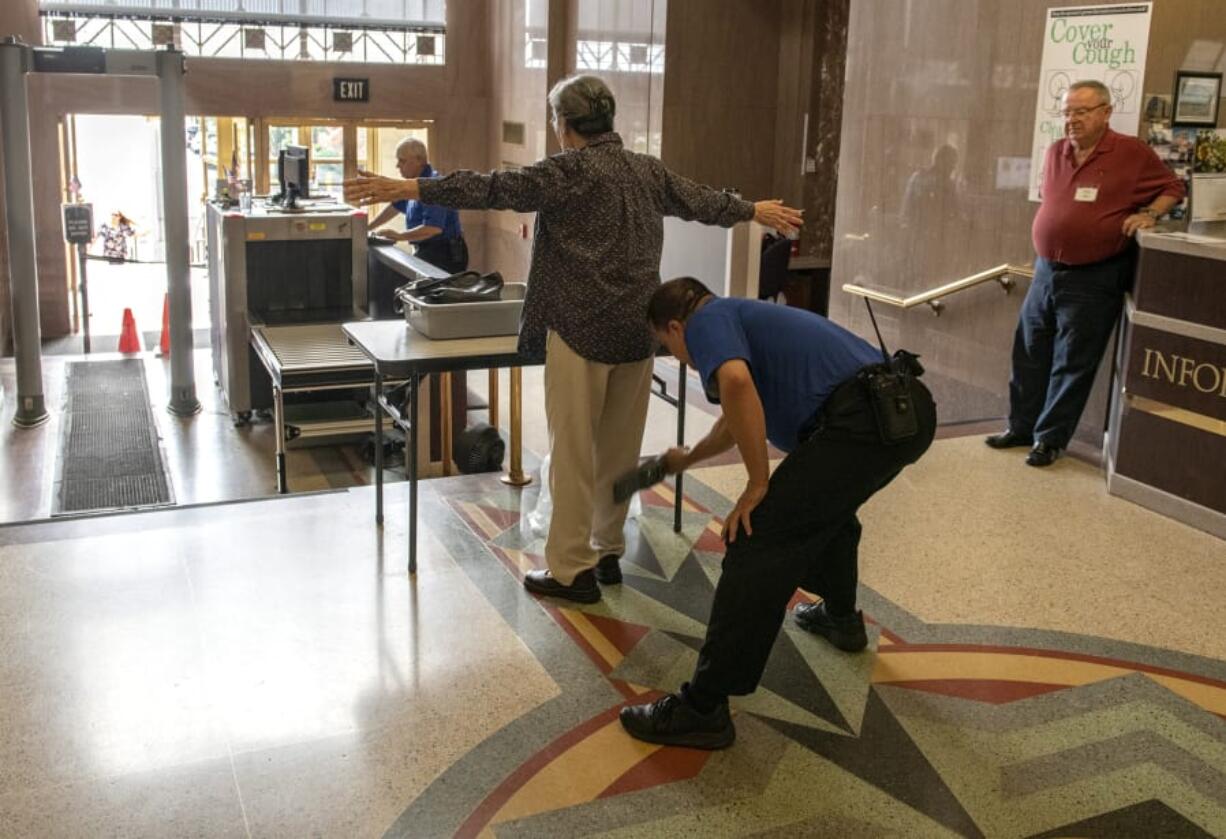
(1062, 332)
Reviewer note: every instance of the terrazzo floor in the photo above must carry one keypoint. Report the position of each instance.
(1045, 660)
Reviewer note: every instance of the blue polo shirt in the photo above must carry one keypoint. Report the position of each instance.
(417, 214)
(797, 358)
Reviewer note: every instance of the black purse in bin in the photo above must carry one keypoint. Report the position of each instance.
(465, 287)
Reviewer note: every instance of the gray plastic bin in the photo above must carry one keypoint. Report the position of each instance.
(443, 321)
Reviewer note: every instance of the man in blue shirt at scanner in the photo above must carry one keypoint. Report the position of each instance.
(433, 230)
(794, 378)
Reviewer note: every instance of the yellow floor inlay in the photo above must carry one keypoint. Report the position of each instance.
(579, 774)
(901, 666)
(593, 636)
(895, 666)
(478, 516)
(666, 492)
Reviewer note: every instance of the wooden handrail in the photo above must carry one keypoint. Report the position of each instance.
(1003, 274)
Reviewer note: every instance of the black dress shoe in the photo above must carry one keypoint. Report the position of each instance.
(1008, 440)
(847, 633)
(1042, 455)
(583, 588)
(609, 570)
(671, 721)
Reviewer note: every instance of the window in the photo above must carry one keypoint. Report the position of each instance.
(373, 31)
(339, 147)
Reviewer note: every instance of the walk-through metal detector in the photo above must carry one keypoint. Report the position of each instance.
(18, 59)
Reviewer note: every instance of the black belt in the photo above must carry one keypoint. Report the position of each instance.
(1067, 266)
(847, 397)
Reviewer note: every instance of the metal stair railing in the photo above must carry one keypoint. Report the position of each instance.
(934, 297)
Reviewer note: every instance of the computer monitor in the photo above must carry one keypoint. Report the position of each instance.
(294, 173)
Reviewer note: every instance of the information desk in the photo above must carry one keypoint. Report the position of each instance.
(1167, 430)
(397, 351)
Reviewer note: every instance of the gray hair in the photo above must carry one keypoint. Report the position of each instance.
(414, 145)
(1098, 87)
(585, 102)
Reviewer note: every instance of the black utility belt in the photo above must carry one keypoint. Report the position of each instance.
(889, 391)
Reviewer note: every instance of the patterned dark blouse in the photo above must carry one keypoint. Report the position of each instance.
(598, 236)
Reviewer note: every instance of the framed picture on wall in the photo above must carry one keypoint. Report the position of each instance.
(1196, 98)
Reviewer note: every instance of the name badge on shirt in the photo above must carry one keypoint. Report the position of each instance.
(1086, 193)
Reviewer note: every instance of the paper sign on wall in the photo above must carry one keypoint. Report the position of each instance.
(1103, 43)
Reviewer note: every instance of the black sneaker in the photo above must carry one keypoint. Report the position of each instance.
(609, 570)
(671, 721)
(1008, 439)
(583, 588)
(845, 633)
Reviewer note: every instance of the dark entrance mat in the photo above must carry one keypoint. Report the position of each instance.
(109, 457)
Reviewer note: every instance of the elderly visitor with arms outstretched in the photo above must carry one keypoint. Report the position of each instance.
(595, 264)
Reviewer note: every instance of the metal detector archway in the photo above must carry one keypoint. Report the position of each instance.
(18, 59)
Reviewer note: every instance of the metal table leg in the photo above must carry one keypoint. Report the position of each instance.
(413, 473)
(681, 377)
(378, 387)
(515, 476)
(278, 405)
(493, 400)
(444, 391)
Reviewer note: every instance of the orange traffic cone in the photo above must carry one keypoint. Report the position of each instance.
(129, 338)
(164, 343)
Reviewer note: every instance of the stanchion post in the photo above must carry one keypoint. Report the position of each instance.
(84, 297)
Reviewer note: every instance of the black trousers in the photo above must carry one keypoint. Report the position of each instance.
(805, 535)
(449, 254)
(1062, 332)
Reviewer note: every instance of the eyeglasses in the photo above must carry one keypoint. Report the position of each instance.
(1080, 112)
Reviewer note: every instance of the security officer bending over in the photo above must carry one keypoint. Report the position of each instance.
(794, 378)
(434, 230)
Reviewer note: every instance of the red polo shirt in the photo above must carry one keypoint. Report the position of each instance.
(1127, 176)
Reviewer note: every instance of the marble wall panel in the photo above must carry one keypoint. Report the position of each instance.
(959, 75)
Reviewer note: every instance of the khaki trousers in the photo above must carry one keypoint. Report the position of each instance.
(596, 414)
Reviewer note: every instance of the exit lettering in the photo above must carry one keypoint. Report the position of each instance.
(351, 90)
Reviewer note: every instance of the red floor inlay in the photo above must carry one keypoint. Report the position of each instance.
(666, 766)
(505, 519)
(620, 634)
(995, 691)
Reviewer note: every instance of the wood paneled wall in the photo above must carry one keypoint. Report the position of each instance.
(753, 91)
(720, 107)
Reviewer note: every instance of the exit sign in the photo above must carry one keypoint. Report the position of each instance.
(351, 90)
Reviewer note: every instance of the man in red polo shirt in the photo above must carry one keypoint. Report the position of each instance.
(1099, 188)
